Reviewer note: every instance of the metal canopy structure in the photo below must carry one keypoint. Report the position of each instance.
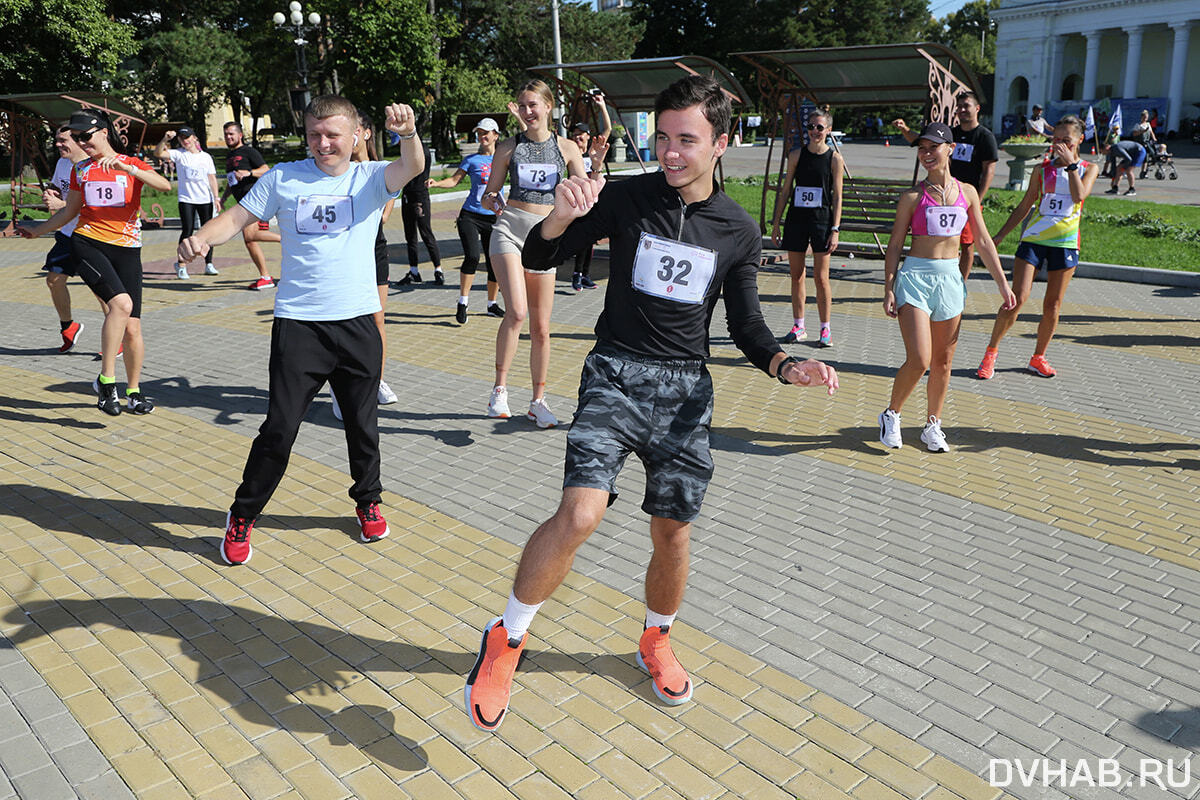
(887, 74)
(24, 119)
(632, 85)
(791, 82)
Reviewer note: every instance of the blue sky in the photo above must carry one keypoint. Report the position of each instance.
(940, 8)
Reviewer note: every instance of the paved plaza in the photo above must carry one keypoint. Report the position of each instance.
(860, 623)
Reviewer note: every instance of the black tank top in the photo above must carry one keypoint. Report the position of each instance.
(813, 170)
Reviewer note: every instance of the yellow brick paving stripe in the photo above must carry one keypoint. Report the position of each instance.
(326, 668)
(1120, 483)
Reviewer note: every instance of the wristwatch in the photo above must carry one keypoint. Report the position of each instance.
(835, 229)
(779, 372)
(1072, 167)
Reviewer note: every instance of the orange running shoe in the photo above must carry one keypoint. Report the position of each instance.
(490, 683)
(1040, 366)
(670, 681)
(987, 367)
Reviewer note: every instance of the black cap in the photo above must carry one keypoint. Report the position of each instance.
(581, 127)
(85, 120)
(938, 132)
(184, 133)
(1036, 107)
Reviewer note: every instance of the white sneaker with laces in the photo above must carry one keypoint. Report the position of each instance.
(181, 271)
(539, 412)
(933, 437)
(889, 429)
(337, 410)
(498, 405)
(209, 269)
(386, 395)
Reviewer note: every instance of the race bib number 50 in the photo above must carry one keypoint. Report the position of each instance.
(324, 213)
(673, 270)
(808, 197)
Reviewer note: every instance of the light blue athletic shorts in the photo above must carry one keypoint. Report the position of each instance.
(933, 285)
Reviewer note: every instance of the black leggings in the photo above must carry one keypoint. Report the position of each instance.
(583, 261)
(188, 212)
(418, 221)
(109, 270)
(475, 233)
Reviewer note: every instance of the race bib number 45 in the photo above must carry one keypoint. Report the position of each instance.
(103, 193)
(673, 270)
(324, 213)
(808, 197)
(539, 177)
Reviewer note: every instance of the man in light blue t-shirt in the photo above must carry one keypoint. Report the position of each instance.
(328, 210)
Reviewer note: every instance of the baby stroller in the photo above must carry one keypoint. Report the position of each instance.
(1159, 160)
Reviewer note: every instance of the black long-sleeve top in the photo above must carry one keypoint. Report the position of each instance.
(648, 325)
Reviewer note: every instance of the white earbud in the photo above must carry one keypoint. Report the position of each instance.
(356, 140)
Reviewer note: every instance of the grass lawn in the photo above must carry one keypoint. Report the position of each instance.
(1167, 238)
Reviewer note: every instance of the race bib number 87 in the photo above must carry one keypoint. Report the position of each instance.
(673, 270)
(324, 213)
(945, 220)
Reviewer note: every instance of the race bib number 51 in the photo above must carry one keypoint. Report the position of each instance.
(1056, 205)
(673, 270)
(324, 213)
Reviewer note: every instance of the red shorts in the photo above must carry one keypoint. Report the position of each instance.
(967, 236)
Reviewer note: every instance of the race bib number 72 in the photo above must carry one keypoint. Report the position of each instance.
(324, 213)
(673, 270)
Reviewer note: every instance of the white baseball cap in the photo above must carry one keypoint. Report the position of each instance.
(487, 124)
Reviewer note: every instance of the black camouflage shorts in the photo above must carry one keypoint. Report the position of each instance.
(660, 409)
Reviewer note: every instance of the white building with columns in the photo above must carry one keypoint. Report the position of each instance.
(1085, 50)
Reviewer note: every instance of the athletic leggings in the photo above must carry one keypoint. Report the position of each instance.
(583, 261)
(475, 233)
(415, 222)
(109, 270)
(188, 212)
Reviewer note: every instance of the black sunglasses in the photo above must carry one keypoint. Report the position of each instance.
(816, 127)
(83, 137)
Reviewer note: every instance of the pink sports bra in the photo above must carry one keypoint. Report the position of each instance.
(931, 219)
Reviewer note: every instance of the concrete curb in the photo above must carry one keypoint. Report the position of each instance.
(1086, 269)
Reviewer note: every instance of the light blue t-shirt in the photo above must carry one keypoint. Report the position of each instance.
(479, 168)
(328, 226)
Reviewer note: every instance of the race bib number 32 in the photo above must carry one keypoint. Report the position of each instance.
(324, 213)
(673, 270)
(103, 193)
(539, 177)
(808, 197)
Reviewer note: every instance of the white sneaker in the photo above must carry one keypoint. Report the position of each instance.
(539, 412)
(337, 410)
(386, 395)
(209, 269)
(498, 405)
(933, 437)
(889, 429)
(181, 271)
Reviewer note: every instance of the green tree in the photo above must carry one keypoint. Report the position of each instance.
(68, 44)
(972, 33)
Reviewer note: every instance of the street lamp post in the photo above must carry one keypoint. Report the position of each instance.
(294, 23)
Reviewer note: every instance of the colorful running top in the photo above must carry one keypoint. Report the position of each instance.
(1055, 220)
(932, 219)
(478, 167)
(534, 169)
(112, 202)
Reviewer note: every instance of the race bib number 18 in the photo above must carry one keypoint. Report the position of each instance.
(324, 213)
(103, 193)
(673, 270)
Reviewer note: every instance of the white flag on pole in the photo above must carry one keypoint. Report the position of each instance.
(1114, 122)
(1089, 125)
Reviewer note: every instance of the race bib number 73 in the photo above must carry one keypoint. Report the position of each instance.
(324, 213)
(673, 270)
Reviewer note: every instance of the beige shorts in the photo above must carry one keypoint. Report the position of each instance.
(510, 231)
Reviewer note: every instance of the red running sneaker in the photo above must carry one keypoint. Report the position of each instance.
(987, 367)
(374, 526)
(1040, 366)
(69, 335)
(235, 547)
(670, 681)
(490, 683)
(263, 283)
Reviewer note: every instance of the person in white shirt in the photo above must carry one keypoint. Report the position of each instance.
(197, 188)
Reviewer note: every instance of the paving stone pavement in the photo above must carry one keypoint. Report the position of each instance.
(861, 623)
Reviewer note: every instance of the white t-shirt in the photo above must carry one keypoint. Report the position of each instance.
(193, 170)
(328, 225)
(62, 182)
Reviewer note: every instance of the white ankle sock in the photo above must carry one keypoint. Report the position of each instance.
(518, 616)
(462, 300)
(654, 620)
(800, 322)
(825, 326)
